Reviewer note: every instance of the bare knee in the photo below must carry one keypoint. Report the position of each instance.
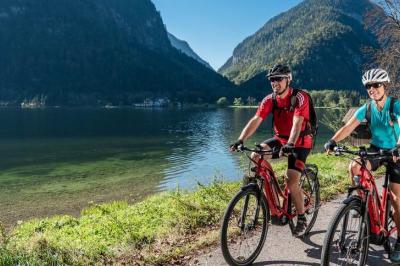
(255, 156)
(354, 168)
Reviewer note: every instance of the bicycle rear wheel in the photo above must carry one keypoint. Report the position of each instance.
(341, 245)
(310, 186)
(244, 227)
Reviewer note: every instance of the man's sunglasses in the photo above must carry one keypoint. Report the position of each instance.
(278, 79)
(373, 85)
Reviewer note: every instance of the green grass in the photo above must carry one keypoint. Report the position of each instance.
(153, 231)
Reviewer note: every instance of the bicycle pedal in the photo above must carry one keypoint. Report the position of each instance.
(276, 220)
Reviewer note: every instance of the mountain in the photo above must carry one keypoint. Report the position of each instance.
(94, 52)
(185, 48)
(322, 40)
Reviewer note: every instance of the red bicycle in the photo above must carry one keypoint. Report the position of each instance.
(363, 217)
(261, 201)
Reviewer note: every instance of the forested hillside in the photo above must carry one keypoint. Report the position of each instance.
(324, 41)
(94, 52)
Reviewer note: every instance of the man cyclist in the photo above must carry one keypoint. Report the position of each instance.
(384, 135)
(288, 125)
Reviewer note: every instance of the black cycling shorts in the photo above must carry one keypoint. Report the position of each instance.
(296, 160)
(392, 167)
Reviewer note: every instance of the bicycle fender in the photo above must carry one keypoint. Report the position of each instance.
(351, 198)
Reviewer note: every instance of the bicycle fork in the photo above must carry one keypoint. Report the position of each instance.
(363, 223)
(256, 213)
(259, 199)
(364, 213)
(244, 212)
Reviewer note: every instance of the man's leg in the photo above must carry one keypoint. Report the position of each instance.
(296, 165)
(295, 191)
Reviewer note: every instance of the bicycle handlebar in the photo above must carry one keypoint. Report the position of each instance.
(363, 153)
(258, 150)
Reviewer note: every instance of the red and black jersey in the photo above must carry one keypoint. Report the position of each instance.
(283, 117)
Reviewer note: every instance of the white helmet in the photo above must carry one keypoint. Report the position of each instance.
(375, 75)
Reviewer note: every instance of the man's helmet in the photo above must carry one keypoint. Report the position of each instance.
(375, 75)
(280, 71)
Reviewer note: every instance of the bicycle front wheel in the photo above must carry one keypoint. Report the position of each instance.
(347, 239)
(244, 227)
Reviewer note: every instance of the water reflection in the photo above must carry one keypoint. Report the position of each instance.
(58, 160)
(201, 151)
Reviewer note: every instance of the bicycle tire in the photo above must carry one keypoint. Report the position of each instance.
(344, 212)
(309, 183)
(232, 238)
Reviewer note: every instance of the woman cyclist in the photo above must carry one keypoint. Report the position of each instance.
(382, 114)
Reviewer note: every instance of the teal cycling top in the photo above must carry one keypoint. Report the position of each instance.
(384, 136)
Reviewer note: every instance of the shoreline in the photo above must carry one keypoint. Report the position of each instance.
(141, 230)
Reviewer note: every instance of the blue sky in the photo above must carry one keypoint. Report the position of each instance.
(213, 28)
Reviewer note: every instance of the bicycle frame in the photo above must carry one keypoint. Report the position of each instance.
(273, 191)
(376, 205)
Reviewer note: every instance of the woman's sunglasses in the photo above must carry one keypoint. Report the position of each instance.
(373, 85)
(278, 79)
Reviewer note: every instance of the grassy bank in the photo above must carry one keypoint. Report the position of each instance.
(162, 228)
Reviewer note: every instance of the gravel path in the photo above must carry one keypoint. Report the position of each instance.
(281, 248)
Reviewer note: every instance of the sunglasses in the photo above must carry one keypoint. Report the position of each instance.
(278, 79)
(373, 85)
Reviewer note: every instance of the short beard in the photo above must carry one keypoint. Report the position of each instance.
(286, 87)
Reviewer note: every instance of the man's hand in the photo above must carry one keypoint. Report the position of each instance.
(330, 145)
(286, 149)
(234, 147)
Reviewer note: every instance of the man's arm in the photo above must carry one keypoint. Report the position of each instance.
(301, 112)
(296, 129)
(250, 128)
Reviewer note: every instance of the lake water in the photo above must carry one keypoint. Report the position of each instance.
(57, 161)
